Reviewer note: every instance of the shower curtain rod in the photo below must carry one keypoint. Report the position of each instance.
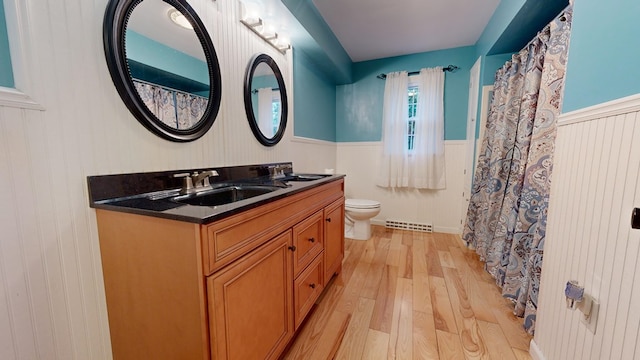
(255, 91)
(450, 68)
(562, 16)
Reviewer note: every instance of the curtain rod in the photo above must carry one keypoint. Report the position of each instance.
(255, 91)
(450, 68)
(170, 89)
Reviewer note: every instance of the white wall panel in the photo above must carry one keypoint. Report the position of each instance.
(596, 185)
(441, 208)
(51, 290)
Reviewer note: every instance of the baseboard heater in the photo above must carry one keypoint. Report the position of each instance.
(405, 225)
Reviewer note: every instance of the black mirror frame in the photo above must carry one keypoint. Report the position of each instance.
(115, 22)
(248, 107)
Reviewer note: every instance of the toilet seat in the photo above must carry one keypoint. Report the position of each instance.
(361, 204)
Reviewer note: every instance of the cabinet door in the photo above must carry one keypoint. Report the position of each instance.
(333, 238)
(251, 304)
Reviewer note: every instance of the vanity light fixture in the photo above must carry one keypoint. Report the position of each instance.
(179, 19)
(257, 25)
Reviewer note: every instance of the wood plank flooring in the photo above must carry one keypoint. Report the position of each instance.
(411, 295)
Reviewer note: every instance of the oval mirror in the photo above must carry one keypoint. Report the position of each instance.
(164, 66)
(265, 100)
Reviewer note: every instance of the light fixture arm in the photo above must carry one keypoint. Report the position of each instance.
(271, 39)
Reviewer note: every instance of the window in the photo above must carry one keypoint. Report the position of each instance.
(413, 132)
(411, 119)
(16, 82)
(6, 70)
(275, 113)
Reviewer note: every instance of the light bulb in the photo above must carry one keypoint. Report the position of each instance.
(179, 19)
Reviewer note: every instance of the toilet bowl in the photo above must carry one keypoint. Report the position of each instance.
(358, 214)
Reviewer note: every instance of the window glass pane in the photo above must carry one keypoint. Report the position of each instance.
(411, 121)
(275, 110)
(6, 70)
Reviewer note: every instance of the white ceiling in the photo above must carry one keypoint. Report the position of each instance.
(374, 29)
(151, 19)
(367, 29)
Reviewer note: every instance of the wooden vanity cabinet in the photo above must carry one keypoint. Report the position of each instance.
(236, 288)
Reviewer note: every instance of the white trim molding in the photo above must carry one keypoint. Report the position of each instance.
(19, 31)
(305, 140)
(610, 108)
(379, 143)
(14, 98)
(360, 143)
(535, 352)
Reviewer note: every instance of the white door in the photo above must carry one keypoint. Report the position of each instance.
(472, 110)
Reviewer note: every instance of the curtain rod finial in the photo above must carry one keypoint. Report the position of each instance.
(451, 68)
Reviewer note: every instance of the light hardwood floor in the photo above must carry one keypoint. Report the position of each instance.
(411, 295)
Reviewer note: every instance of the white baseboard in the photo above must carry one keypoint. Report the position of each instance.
(446, 230)
(535, 352)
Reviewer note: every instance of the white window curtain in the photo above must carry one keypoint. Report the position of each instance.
(424, 166)
(265, 111)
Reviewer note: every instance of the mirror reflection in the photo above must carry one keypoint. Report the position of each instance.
(167, 64)
(265, 100)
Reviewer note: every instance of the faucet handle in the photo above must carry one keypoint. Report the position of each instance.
(187, 185)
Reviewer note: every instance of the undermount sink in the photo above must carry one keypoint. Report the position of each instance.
(224, 195)
(304, 177)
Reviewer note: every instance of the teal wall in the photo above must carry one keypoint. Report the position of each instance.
(490, 65)
(6, 70)
(157, 55)
(359, 105)
(505, 12)
(314, 97)
(321, 46)
(603, 54)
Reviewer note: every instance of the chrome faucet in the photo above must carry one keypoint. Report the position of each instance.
(202, 179)
(278, 171)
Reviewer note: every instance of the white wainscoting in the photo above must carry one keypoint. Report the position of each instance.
(596, 185)
(441, 208)
(51, 290)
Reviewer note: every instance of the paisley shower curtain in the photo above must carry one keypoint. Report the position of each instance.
(506, 220)
(176, 109)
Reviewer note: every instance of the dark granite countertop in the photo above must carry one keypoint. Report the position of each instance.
(153, 193)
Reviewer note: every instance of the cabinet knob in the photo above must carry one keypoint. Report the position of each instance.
(313, 286)
(292, 248)
(328, 220)
(312, 240)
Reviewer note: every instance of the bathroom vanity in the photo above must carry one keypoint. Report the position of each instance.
(227, 281)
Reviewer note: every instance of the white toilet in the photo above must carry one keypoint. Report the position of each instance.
(358, 213)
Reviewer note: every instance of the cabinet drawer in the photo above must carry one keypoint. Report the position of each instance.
(308, 286)
(307, 239)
